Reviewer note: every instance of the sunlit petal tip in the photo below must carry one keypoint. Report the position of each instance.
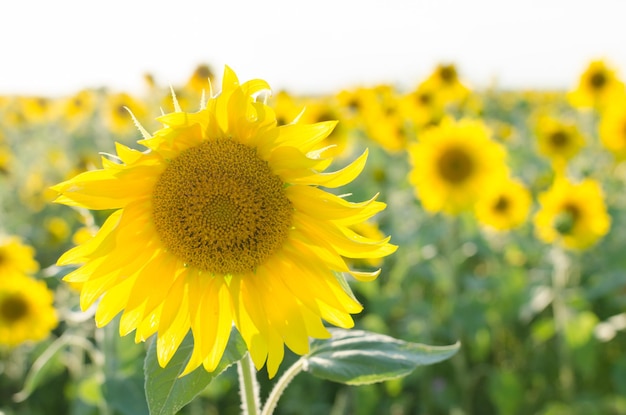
(229, 80)
(175, 100)
(365, 276)
(142, 130)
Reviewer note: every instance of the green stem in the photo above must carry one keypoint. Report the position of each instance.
(280, 387)
(248, 386)
(560, 277)
(452, 262)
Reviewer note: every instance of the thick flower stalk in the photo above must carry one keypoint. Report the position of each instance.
(222, 221)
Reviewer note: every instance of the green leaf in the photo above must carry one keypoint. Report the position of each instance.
(125, 394)
(166, 392)
(356, 357)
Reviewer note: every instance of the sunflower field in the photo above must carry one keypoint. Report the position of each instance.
(482, 221)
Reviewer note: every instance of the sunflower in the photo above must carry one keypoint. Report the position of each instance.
(453, 163)
(78, 108)
(505, 206)
(558, 140)
(445, 81)
(26, 310)
(597, 86)
(197, 82)
(612, 129)
(572, 214)
(387, 127)
(36, 109)
(16, 257)
(423, 106)
(223, 221)
(115, 115)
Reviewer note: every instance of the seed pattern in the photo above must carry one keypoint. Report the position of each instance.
(220, 208)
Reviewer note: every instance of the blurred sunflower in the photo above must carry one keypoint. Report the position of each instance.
(35, 109)
(215, 220)
(504, 206)
(558, 140)
(597, 85)
(26, 310)
(383, 120)
(573, 215)
(116, 116)
(6, 158)
(612, 129)
(386, 126)
(16, 257)
(423, 106)
(354, 104)
(453, 164)
(199, 80)
(445, 81)
(78, 108)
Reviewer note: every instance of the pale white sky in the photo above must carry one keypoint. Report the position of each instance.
(58, 47)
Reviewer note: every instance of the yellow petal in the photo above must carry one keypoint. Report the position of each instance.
(337, 178)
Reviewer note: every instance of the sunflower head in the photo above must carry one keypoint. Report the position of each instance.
(223, 221)
(198, 81)
(454, 163)
(16, 257)
(445, 81)
(572, 214)
(558, 140)
(504, 206)
(26, 310)
(597, 86)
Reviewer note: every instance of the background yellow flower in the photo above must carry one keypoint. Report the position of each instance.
(26, 310)
(504, 206)
(558, 140)
(16, 257)
(572, 214)
(453, 164)
(597, 86)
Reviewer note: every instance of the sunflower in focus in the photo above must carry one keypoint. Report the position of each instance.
(26, 310)
(612, 129)
(223, 221)
(597, 85)
(572, 214)
(504, 206)
(453, 164)
(558, 140)
(16, 257)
